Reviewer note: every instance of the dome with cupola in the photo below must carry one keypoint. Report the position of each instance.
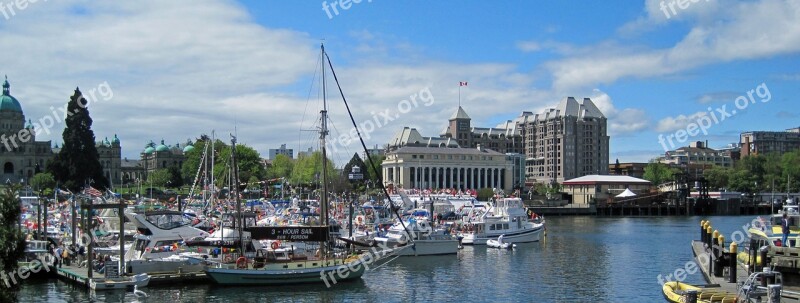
(7, 102)
(115, 140)
(162, 147)
(149, 148)
(188, 147)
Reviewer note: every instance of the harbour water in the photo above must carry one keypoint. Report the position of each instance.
(582, 259)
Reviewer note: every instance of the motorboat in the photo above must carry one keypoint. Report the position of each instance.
(499, 243)
(505, 217)
(417, 236)
(159, 235)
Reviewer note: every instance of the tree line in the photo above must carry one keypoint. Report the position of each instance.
(771, 172)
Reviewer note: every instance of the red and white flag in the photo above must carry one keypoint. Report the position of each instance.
(464, 83)
(92, 191)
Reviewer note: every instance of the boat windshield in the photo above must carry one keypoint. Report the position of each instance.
(168, 221)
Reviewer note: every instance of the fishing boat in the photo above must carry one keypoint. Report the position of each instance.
(328, 263)
(506, 217)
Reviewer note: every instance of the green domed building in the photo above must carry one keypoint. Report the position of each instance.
(21, 156)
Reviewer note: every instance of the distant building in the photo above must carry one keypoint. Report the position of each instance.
(565, 142)
(437, 168)
(305, 153)
(696, 158)
(504, 138)
(518, 169)
(162, 156)
(375, 152)
(764, 142)
(20, 154)
(596, 188)
(273, 152)
(633, 169)
(412, 138)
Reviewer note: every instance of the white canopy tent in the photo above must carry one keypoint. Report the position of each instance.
(626, 193)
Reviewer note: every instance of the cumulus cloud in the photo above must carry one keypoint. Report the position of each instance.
(178, 71)
(670, 124)
(627, 120)
(718, 33)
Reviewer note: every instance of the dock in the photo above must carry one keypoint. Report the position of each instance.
(714, 244)
(80, 276)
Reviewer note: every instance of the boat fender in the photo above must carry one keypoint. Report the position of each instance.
(241, 262)
(275, 245)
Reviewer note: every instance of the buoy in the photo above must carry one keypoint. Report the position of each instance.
(241, 262)
(275, 245)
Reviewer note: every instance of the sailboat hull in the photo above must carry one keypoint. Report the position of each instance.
(328, 275)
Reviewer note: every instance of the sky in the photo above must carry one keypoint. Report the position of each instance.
(664, 73)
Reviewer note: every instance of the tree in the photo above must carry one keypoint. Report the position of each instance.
(308, 169)
(281, 167)
(658, 173)
(159, 178)
(43, 182)
(247, 158)
(12, 242)
(375, 175)
(78, 163)
(175, 178)
(717, 176)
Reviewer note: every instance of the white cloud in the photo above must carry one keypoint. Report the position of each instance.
(627, 120)
(670, 124)
(179, 71)
(719, 33)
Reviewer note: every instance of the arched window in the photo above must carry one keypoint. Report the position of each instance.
(8, 168)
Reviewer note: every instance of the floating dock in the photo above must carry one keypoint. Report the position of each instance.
(80, 276)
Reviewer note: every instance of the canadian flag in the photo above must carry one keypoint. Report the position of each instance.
(464, 83)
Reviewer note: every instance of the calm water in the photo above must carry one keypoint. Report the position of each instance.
(582, 259)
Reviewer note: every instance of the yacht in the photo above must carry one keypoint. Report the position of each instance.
(505, 217)
(155, 246)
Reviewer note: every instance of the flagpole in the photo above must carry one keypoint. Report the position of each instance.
(459, 94)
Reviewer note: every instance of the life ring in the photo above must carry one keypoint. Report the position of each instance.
(227, 259)
(241, 262)
(275, 245)
(360, 219)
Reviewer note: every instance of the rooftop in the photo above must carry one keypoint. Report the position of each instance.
(594, 179)
(450, 151)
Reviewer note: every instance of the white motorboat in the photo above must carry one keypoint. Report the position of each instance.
(416, 236)
(499, 243)
(506, 217)
(160, 233)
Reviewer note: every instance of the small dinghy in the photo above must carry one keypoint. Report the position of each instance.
(499, 243)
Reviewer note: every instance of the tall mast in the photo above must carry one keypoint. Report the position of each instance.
(324, 132)
(239, 219)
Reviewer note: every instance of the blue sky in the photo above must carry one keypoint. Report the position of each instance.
(179, 69)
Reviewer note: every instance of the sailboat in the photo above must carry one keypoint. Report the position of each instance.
(324, 263)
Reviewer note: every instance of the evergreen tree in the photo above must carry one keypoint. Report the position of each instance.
(12, 244)
(78, 162)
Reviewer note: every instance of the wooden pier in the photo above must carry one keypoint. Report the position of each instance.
(80, 276)
(716, 263)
